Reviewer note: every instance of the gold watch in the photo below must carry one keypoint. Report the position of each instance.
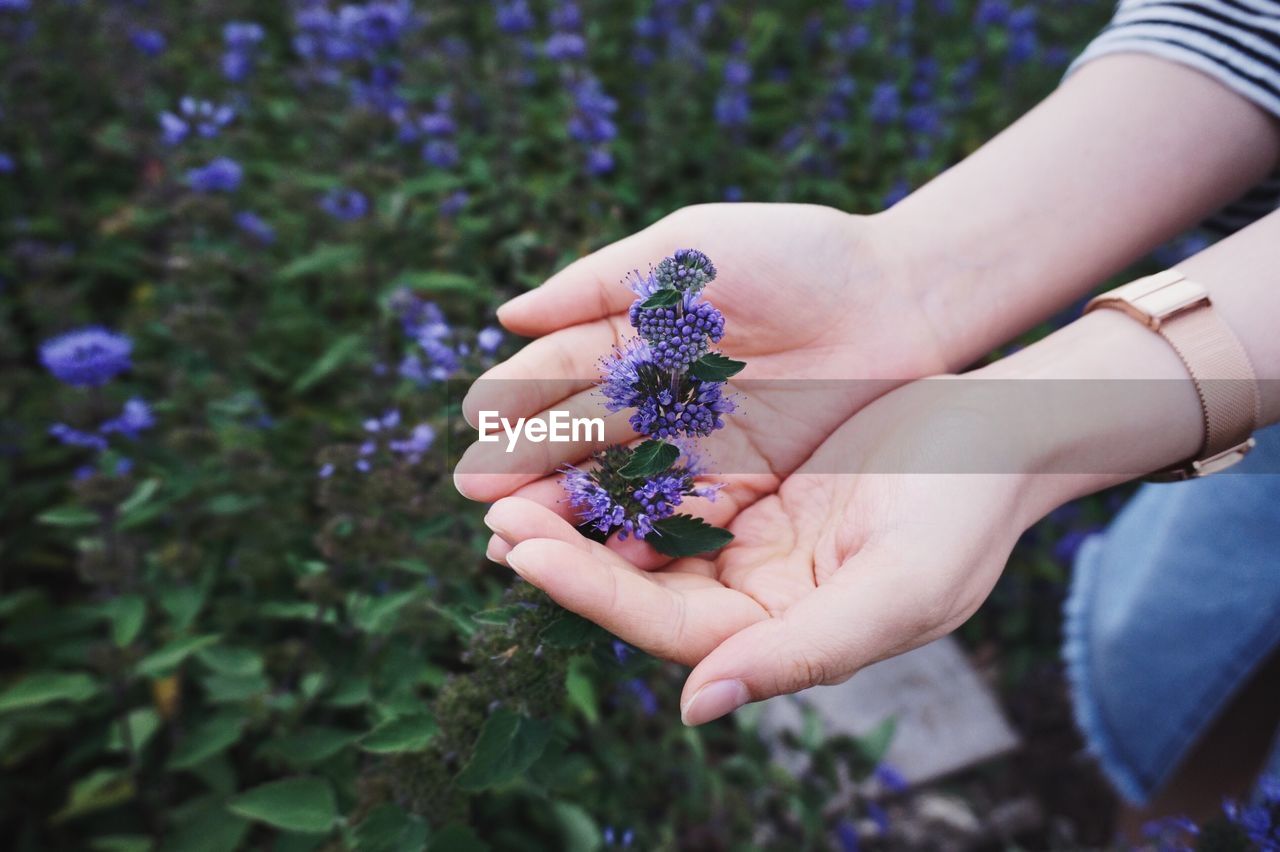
(1180, 311)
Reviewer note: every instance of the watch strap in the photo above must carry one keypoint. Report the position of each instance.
(1181, 311)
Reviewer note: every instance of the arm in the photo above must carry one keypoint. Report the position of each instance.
(1130, 151)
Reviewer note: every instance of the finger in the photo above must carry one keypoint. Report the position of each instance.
(497, 550)
(544, 372)
(492, 469)
(677, 625)
(865, 613)
(585, 290)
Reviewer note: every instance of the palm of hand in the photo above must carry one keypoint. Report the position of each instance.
(831, 573)
(811, 298)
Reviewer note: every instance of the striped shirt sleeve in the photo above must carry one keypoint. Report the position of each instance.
(1237, 42)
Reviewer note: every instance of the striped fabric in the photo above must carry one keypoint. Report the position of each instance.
(1237, 42)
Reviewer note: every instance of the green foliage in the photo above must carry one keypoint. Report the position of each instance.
(210, 646)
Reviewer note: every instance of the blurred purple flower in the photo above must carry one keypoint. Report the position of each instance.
(136, 417)
(77, 438)
(255, 227)
(345, 205)
(148, 42)
(88, 356)
(565, 46)
(222, 174)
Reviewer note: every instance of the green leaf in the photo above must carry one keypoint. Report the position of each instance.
(397, 736)
(97, 791)
(323, 259)
(438, 282)
(650, 459)
(302, 804)
(685, 535)
(212, 736)
(121, 843)
(69, 516)
(378, 614)
(578, 830)
(509, 743)
(499, 615)
(388, 828)
(46, 687)
(227, 660)
(308, 746)
(144, 492)
(569, 631)
(210, 830)
(456, 837)
(168, 658)
(581, 690)
(875, 743)
(662, 299)
(334, 357)
(143, 724)
(127, 614)
(714, 367)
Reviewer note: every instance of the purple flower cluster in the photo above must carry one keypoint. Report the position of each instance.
(88, 356)
(1260, 818)
(241, 40)
(437, 349)
(91, 357)
(206, 118)
(380, 435)
(733, 105)
(345, 205)
(607, 501)
(222, 174)
(656, 375)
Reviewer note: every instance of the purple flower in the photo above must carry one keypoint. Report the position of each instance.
(514, 16)
(890, 778)
(565, 46)
(148, 42)
(607, 501)
(441, 153)
(489, 339)
(643, 695)
(255, 227)
(7, 165)
(222, 174)
(847, 836)
(454, 203)
(135, 418)
(419, 441)
(206, 117)
(77, 438)
(898, 191)
(885, 105)
(89, 356)
(681, 334)
(345, 205)
(733, 105)
(242, 35)
(15, 5)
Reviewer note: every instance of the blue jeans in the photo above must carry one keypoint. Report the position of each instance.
(1170, 611)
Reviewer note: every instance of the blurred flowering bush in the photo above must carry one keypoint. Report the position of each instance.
(250, 256)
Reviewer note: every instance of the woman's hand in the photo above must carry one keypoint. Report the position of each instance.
(808, 293)
(892, 533)
(843, 566)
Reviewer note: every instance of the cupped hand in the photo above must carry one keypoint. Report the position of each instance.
(846, 564)
(808, 294)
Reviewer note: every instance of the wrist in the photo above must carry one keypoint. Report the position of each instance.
(1100, 402)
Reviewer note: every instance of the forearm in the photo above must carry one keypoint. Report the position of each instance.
(1106, 399)
(1129, 152)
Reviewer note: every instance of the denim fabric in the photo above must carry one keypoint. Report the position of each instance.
(1170, 611)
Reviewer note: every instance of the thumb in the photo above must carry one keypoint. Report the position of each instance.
(823, 638)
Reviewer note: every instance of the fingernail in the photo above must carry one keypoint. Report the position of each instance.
(497, 550)
(714, 700)
(506, 306)
(489, 522)
(515, 561)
